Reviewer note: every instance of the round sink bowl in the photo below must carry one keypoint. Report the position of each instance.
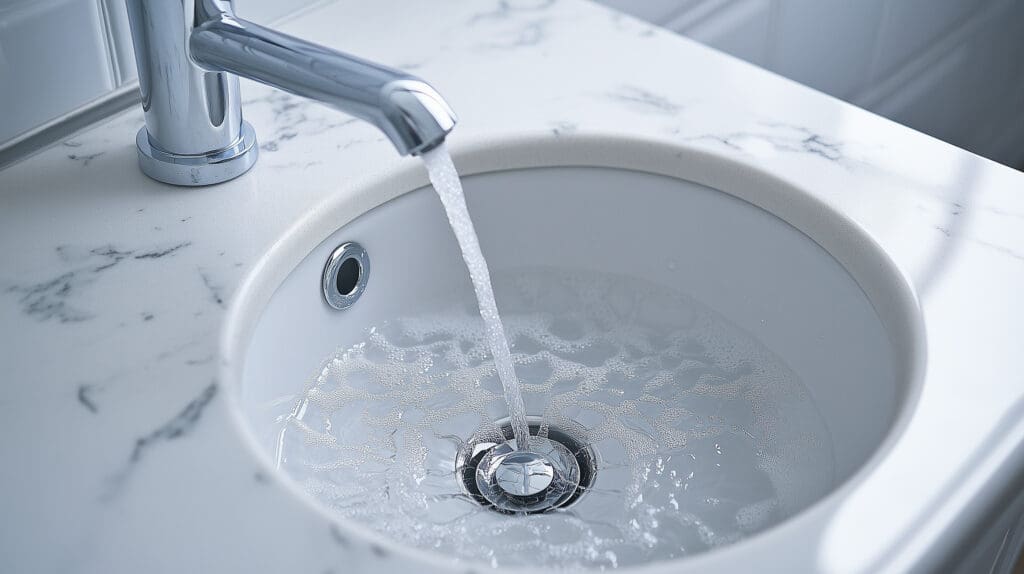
(724, 371)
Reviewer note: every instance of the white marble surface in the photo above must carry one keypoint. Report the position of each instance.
(121, 455)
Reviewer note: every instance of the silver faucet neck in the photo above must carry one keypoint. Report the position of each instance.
(190, 54)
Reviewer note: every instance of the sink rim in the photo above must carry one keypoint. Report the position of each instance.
(886, 286)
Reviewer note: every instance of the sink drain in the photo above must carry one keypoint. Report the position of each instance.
(556, 470)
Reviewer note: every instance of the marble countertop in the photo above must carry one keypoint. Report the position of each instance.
(121, 454)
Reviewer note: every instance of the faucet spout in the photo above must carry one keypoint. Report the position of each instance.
(408, 110)
(195, 134)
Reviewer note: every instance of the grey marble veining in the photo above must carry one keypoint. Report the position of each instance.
(54, 298)
(180, 425)
(644, 101)
(784, 138)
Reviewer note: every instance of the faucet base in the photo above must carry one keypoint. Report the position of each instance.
(201, 169)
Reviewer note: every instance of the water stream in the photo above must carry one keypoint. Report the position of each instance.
(446, 182)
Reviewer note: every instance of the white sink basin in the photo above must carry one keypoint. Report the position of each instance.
(775, 377)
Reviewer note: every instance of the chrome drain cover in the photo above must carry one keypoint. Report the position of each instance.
(555, 471)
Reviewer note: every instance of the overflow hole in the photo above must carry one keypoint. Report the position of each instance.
(348, 276)
(345, 275)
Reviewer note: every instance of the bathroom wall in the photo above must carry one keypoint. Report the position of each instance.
(57, 55)
(950, 68)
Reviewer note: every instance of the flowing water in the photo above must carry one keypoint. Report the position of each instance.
(701, 435)
(446, 181)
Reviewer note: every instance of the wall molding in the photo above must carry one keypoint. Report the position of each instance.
(61, 127)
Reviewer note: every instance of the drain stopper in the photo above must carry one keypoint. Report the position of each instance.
(523, 473)
(533, 480)
(554, 472)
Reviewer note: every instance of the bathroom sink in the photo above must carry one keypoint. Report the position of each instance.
(727, 351)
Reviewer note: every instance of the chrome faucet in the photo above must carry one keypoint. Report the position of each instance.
(189, 54)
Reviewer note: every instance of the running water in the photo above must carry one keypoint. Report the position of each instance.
(446, 181)
(702, 436)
